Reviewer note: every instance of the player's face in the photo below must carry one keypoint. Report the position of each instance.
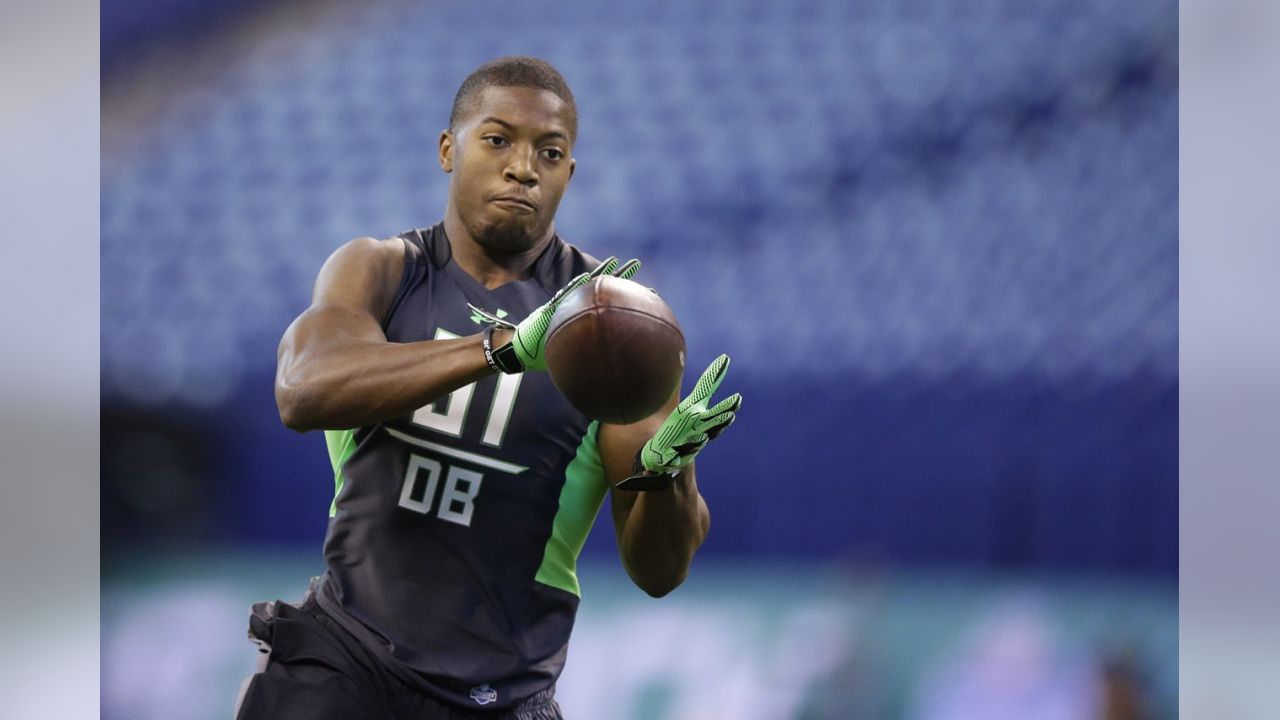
(509, 163)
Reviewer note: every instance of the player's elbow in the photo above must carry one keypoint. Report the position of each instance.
(659, 586)
(297, 406)
(291, 415)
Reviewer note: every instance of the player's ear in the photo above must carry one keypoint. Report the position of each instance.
(446, 150)
(573, 164)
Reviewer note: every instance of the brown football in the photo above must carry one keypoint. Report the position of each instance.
(615, 350)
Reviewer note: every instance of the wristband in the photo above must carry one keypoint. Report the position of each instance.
(487, 340)
(504, 359)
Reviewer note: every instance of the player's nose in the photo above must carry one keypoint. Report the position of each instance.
(521, 170)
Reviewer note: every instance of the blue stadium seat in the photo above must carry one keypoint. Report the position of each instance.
(978, 194)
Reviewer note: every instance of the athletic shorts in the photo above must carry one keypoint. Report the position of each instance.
(310, 668)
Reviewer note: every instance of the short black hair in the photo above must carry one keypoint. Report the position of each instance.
(513, 71)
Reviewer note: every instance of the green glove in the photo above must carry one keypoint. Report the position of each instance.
(685, 432)
(525, 351)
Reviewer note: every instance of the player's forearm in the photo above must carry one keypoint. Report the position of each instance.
(664, 529)
(358, 383)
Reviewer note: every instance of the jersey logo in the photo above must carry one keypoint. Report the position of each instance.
(479, 319)
(484, 694)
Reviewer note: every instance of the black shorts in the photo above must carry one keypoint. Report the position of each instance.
(310, 668)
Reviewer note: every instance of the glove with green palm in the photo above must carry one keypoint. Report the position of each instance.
(685, 432)
(525, 351)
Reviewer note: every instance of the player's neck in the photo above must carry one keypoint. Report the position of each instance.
(488, 269)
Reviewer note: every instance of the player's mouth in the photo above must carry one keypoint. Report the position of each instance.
(515, 202)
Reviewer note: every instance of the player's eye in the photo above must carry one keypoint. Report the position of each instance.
(553, 153)
(496, 140)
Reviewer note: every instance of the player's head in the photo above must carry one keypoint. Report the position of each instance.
(510, 139)
(517, 71)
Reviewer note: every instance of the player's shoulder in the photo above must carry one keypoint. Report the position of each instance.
(388, 255)
(368, 264)
(365, 274)
(369, 249)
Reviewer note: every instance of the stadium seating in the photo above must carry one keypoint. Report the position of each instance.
(940, 243)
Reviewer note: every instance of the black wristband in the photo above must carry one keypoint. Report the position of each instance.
(503, 359)
(487, 340)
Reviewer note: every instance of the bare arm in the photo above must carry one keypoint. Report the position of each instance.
(658, 531)
(335, 367)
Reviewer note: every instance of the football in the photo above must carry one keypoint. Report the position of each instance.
(615, 350)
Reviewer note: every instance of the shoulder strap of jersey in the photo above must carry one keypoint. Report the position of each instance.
(414, 269)
(560, 263)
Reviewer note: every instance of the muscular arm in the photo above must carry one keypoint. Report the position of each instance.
(335, 367)
(658, 531)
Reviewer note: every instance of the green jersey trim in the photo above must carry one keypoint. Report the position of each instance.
(580, 500)
(342, 445)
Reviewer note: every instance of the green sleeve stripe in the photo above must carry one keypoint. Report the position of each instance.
(342, 445)
(580, 500)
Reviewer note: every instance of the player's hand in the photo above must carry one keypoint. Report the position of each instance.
(685, 432)
(526, 351)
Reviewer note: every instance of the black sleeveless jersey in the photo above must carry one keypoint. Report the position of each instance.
(454, 533)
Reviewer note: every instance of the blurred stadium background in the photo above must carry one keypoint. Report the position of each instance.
(938, 239)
